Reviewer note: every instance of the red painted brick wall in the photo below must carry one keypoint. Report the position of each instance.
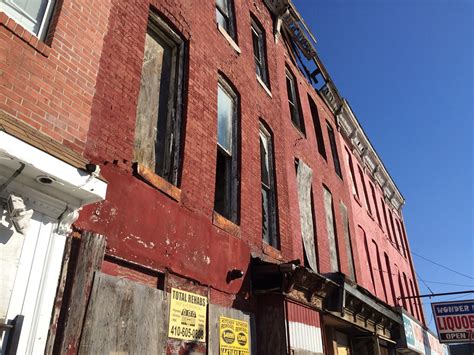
(375, 232)
(82, 89)
(147, 227)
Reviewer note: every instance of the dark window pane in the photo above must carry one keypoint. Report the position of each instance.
(317, 128)
(265, 216)
(222, 191)
(335, 156)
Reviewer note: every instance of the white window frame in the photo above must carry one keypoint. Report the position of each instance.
(17, 14)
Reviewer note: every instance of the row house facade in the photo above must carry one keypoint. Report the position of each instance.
(183, 177)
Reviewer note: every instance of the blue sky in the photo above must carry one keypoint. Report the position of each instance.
(406, 68)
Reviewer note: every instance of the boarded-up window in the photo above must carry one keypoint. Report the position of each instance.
(159, 109)
(331, 229)
(347, 241)
(304, 181)
(227, 169)
(269, 210)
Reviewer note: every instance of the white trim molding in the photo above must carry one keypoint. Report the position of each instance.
(351, 129)
(53, 181)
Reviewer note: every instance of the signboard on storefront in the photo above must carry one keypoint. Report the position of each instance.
(454, 321)
(234, 336)
(187, 316)
(420, 340)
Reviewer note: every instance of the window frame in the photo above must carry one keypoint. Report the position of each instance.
(20, 18)
(335, 155)
(273, 238)
(231, 201)
(260, 58)
(294, 101)
(364, 188)
(229, 18)
(172, 145)
(355, 188)
(317, 128)
(374, 198)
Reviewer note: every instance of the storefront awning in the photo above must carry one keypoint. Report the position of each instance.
(295, 282)
(362, 309)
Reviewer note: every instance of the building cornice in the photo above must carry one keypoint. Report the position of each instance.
(288, 17)
(360, 144)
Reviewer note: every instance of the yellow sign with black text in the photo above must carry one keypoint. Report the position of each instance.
(234, 337)
(187, 316)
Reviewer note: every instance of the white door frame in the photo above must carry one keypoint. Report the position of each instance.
(56, 206)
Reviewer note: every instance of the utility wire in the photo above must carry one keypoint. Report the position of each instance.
(449, 284)
(424, 283)
(442, 266)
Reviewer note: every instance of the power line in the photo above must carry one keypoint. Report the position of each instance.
(424, 283)
(442, 266)
(449, 284)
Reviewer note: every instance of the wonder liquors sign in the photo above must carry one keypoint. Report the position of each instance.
(454, 321)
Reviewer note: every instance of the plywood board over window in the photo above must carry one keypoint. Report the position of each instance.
(159, 110)
(331, 229)
(347, 240)
(304, 179)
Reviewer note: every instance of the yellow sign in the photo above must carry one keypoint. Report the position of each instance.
(233, 337)
(187, 316)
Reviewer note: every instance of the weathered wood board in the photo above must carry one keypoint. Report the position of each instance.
(213, 332)
(124, 317)
(304, 180)
(89, 260)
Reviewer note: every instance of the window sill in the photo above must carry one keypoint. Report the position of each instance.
(370, 215)
(223, 223)
(271, 251)
(158, 182)
(262, 84)
(228, 38)
(357, 199)
(300, 132)
(25, 35)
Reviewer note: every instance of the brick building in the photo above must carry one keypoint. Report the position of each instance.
(154, 147)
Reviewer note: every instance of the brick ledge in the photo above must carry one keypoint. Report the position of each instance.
(25, 35)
